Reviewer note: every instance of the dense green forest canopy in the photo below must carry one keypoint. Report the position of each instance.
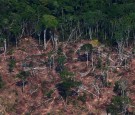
(106, 20)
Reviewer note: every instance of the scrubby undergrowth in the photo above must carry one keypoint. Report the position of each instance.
(75, 80)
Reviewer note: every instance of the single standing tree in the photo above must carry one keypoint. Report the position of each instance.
(87, 48)
(23, 76)
(49, 21)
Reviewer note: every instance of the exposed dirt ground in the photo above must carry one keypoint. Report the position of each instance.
(43, 79)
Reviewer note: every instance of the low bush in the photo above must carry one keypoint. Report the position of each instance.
(49, 93)
(1, 82)
(118, 105)
(64, 88)
(12, 63)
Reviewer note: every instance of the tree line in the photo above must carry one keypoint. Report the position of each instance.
(111, 21)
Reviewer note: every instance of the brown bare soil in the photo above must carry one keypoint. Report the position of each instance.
(34, 101)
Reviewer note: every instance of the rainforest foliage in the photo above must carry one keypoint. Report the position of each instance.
(105, 20)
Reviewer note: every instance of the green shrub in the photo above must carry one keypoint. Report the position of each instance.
(99, 63)
(66, 74)
(61, 60)
(64, 87)
(1, 82)
(118, 104)
(59, 51)
(49, 93)
(23, 75)
(12, 63)
(120, 88)
(83, 97)
(87, 48)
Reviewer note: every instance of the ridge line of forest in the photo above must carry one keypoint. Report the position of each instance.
(109, 21)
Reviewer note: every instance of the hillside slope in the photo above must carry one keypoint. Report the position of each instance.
(33, 80)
